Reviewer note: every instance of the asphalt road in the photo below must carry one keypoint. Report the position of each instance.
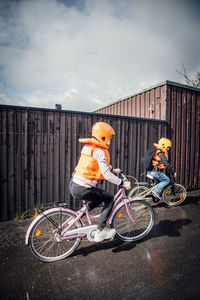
(164, 265)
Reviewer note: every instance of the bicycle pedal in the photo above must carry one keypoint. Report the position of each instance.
(148, 198)
(156, 200)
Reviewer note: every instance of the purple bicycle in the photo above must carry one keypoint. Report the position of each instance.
(57, 232)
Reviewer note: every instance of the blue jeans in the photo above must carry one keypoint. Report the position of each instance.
(160, 181)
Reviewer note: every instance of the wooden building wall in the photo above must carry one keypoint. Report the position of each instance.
(147, 104)
(183, 116)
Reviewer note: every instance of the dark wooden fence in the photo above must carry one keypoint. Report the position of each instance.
(39, 150)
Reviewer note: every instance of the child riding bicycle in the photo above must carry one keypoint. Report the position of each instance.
(160, 163)
(94, 165)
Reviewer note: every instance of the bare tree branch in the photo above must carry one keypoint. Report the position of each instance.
(192, 81)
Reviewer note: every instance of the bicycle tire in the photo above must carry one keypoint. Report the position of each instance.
(139, 191)
(42, 239)
(174, 198)
(144, 220)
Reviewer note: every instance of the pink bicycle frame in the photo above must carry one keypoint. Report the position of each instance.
(118, 197)
(84, 210)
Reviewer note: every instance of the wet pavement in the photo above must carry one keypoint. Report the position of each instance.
(164, 265)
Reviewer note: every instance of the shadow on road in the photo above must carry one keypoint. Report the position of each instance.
(188, 200)
(168, 228)
(163, 228)
(191, 200)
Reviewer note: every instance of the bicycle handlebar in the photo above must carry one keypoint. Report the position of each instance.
(123, 176)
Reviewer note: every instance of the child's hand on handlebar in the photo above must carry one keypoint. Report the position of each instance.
(127, 185)
(116, 171)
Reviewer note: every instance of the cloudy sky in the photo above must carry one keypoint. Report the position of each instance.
(85, 54)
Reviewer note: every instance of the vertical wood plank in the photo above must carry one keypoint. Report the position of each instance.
(44, 158)
(62, 162)
(192, 141)
(197, 144)
(188, 140)
(177, 143)
(56, 151)
(31, 159)
(10, 163)
(173, 120)
(37, 158)
(183, 137)
(3, 166)
(50, 150)
(18, 161)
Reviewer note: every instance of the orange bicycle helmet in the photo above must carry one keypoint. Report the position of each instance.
(102, 132)
(165, 143)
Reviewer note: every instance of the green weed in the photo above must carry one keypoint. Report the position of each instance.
(38, 209)
(21, 217)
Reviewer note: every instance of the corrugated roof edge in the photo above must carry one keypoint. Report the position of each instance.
(167, 82)
(80, 112)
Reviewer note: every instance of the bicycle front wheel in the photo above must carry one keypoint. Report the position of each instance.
(44, 239)
(139, 191)
(134, 224)
(174, 194)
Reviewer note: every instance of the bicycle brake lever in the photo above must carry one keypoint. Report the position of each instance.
(123, 176)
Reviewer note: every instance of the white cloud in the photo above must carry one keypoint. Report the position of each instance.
(86, 58)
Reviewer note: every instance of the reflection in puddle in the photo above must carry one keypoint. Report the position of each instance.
(27, 296)
(158, 266)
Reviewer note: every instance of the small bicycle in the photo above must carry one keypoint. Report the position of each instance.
(57, 232)
(173, 194)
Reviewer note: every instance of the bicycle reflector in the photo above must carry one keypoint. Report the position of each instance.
(120, 214)
(38, 232)
(181, 196)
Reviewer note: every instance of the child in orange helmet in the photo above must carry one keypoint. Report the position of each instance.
(94, 165)
(160, 163)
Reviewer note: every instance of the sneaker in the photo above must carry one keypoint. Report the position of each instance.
(156, 195)
(104, 234)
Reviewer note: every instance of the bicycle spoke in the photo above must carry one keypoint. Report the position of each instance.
(174, 195)
(143, 218)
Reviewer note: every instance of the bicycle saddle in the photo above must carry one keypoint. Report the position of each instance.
(150, 176)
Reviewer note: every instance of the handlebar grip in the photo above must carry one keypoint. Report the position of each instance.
(123, 176)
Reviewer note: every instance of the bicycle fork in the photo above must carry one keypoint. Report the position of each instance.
(128, 212)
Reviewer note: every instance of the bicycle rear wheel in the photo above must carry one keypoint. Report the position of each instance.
(44, 239)
(174, 194)
(138, 225)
